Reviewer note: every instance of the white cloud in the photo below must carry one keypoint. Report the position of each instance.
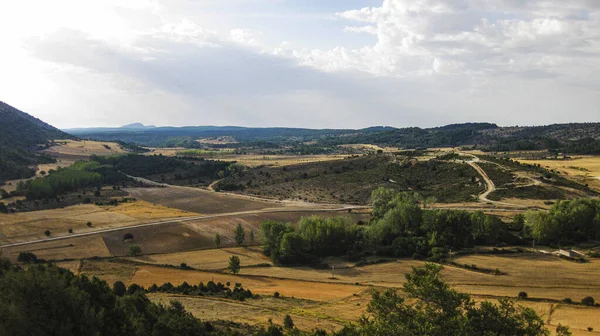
(430, 62)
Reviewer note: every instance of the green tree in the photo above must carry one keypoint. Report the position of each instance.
(135, 250)
(3, 208)
(288, 323)
(440, 310)
(119, 288)
(239, 234)
(217, 240)
(251, 236)
(234, 265)
(27, 257)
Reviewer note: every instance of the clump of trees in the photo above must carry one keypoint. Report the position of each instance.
(310, 238)
(566, 222)
(400, 227)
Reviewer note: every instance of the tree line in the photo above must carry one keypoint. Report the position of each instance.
(567, 222)
(400, 227)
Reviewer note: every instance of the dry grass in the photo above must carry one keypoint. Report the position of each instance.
(199, 200)
(317, 291)
(110, 272)
(583, 169)
(255, 311)
(339, 300)
(78, 247)
(83, 148)
(148, 211)
(216, 259)
(26, 226)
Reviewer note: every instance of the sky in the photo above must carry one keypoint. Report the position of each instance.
(302, 63)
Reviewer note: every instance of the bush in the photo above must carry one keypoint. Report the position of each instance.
(27, 257)
(288, 323)
(523, 295)
(119, 288)
(89, 224)
(567, 300)
(128, 237)
(588, 301)
(47, 233)
(276, 294)
(135, 250)
(70, 230)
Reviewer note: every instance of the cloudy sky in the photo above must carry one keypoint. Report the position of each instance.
(303, 63)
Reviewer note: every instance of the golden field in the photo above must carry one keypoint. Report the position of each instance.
(312, 298)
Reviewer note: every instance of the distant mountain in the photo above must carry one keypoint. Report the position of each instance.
(138, 126)
(20, 135)
(582, 138)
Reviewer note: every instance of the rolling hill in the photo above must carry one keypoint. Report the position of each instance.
(20, 135)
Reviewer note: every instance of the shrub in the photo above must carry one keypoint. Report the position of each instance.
(288, 323)
(89, 224)
(47, 233)
(128, 237)
(567, 300)
(70, 230)
(119, 288)
(588, 301)
(27, 257)
(276, 294)
(135, 250)
(522, 295)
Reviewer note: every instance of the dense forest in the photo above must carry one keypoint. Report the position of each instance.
(48, 300)
(20, 135)
(567, 138)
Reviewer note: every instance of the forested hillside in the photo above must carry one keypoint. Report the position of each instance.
(583, 138)
(20, 135)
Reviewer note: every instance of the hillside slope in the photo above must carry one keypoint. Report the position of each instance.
(20, 136)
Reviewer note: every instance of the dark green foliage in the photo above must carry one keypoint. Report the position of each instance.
(567, 221)
(47, 233)
(3, 208)
(119, 288)
(522, 295)
(20, 134)
(47, 300)
(588, 301)
(239, 234)
(234, 265)
(440, 310)
(79, 175)
(310, 238)
(166, 169)
(211, 288)
(27, 257)
(217, 240)
(401, 228)
(529, 192)
(134, 250)
(353, 179)
(288, 323)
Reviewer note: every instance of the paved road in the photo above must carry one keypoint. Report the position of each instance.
(178, 220)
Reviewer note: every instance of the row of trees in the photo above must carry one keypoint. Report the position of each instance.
(566, 222)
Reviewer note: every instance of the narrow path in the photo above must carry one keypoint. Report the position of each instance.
(490, 186)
